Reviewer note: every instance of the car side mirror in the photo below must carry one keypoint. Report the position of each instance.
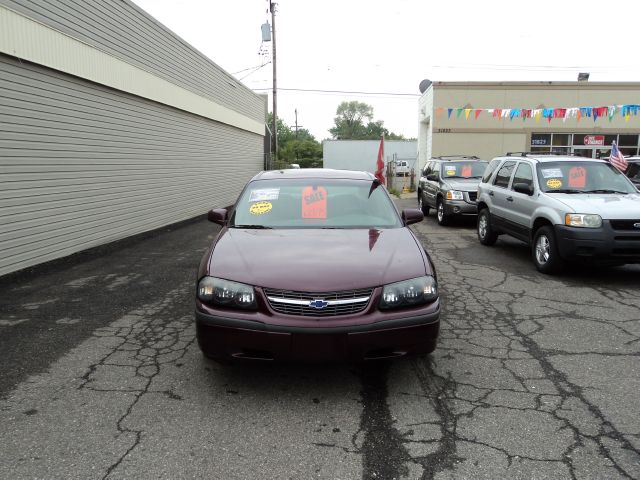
(525, 188)
(431, 176)
(218, 215)
(411, 215)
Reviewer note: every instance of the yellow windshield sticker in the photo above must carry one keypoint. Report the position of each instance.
(260, 208)
(554, 183)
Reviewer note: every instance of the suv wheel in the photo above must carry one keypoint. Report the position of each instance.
(486, 235)
(443, 219)
(422, 205)
(545, 250)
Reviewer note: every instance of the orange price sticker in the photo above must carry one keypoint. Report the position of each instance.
(314, 202)
(466, 171)
(577, 177)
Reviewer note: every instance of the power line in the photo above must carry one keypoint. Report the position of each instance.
(251, 68)
(312, 90)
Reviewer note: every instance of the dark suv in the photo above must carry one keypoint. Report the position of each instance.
(449, 184)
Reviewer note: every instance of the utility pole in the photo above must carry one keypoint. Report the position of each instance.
(272, 8)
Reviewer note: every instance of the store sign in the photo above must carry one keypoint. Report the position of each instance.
(539, 141)
(594, 140)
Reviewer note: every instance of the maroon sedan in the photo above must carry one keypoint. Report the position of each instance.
(316, 265)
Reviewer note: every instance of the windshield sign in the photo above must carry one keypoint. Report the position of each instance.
(582, 177)
(463, 169)
(314, 203)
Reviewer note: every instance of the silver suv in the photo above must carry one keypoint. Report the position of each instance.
(565, 208)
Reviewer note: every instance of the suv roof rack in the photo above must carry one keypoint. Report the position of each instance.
(541, 154)
(462, 157)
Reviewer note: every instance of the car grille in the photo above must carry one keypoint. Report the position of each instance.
(473, 196)
(625, 224)
(299, 303)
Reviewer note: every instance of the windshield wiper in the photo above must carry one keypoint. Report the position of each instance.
(564, 190)
(257, 227)
(605, 190)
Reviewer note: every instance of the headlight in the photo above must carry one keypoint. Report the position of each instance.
(583, 220)
(226, 293)
(409, 293)
(454, 195)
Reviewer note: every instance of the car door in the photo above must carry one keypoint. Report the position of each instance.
(519, 207)
(423, 181)
(433, 184)
(499, 192)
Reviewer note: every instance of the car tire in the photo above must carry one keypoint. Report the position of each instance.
(486, 235)
(443, 219)
(544, 250)
(422, 205)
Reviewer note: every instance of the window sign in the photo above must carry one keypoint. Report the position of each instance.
(594, 139)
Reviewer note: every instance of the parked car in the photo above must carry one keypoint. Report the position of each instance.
(565, 208)
(633, 170)
(449, 184)
(315, 264)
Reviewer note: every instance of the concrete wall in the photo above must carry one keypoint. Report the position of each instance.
(363, 154)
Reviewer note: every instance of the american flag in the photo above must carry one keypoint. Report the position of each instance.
(617, 158)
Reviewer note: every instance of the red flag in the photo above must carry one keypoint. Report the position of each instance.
(380, 163)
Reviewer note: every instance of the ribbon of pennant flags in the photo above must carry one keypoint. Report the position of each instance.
(578, 113)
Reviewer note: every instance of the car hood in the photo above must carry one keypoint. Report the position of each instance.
(462, 184)
(608, 206)
(316, 260)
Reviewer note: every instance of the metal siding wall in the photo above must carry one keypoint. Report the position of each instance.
(82, 165)
(122, 29)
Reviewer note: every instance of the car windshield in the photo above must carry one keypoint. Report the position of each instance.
(463, 169)
(582, 177)
(314, 203)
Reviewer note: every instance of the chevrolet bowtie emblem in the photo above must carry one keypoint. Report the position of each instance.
(318, 304)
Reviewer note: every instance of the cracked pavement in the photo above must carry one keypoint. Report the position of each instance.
(535, 377)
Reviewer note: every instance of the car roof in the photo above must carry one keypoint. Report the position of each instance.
(314, 173)
(458, 158)
(544, 158)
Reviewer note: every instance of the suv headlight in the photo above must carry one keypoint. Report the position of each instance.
(409, 293)
(225, 293)
(583, 220)
(454, 195)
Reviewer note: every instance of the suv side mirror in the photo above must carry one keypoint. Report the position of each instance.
(525, 188)
(218, 215)
(411, 215)
(432, 177)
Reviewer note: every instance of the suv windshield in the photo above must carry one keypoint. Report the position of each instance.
(582, 177)
(463, 169)
(314, 203)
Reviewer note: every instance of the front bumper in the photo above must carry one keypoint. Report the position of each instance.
(222, 336)
(604, 245)
(460, 207)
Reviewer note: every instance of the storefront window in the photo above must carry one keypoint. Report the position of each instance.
(540, 139)
(609, 139)
(628, 141)
(561, 139)
(540, 149)
(578, 138)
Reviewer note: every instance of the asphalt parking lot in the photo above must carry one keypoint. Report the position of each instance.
(534, 377)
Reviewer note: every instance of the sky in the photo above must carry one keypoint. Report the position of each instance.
(369, 47)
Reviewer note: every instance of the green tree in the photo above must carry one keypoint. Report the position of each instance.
(350, 123)
(301, 147)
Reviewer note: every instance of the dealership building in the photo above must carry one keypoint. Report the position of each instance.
(488, 119)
